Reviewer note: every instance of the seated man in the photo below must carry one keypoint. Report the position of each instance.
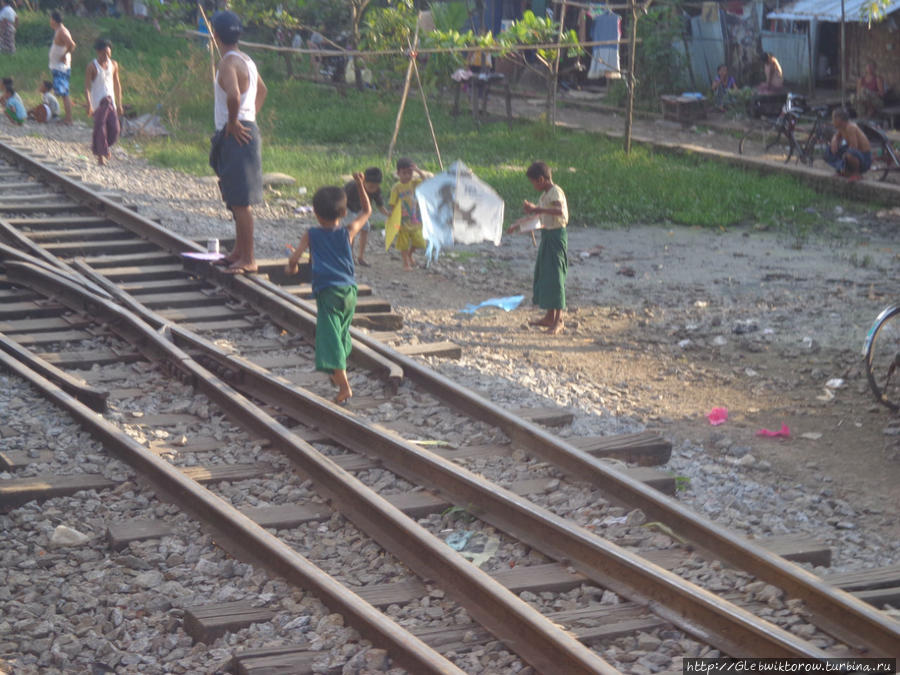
(774, 83)
(870, 92)
(850, 152)
(722, 87)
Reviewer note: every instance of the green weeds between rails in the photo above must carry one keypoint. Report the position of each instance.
(318, 135)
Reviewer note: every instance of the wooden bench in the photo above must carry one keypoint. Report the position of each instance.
(683, 108)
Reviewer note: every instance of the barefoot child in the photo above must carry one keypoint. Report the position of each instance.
(331, 254)
(410, 236)
(552, 264)
(373, 178)
(48, 108)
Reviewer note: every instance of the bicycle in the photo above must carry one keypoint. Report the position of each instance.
(885, 159)
(777, 139)
(881, 351)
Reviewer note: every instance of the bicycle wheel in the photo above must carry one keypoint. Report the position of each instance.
(819, 139)
(884, 161)
(766, 140)
(882, 356)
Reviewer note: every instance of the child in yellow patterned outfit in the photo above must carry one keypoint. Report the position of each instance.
(410, 236)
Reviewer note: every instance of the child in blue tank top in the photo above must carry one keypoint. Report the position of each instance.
(333, 280)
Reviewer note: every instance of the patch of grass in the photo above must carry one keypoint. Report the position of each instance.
(320, 135)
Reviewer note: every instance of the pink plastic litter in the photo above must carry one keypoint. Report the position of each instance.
(717, 416)
(784, 432)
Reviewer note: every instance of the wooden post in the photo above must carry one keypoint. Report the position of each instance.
(632, 49)
(409, 72)
(551, 113)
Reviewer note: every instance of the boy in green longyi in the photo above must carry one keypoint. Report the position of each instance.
(552, 263)
(333, 278)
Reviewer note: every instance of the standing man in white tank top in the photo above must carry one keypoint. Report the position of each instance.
(61, 61)
(236, 151)
(103, 93)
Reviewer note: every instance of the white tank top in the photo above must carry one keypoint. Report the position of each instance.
(247, 110)
(102, 86)
(60, 59)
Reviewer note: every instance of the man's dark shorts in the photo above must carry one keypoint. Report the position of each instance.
(239, 167)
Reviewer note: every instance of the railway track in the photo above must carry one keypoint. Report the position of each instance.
(100, 291)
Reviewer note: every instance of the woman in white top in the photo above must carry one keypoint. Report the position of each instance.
(8, 24)
(103, 92)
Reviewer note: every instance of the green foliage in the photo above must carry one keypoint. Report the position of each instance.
(384, 28)
(535, 30)
(659, 69)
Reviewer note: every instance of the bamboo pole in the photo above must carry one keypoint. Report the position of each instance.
(437, 150)
(555, 73)
(629, 112)
(406, 83)
(212, 42)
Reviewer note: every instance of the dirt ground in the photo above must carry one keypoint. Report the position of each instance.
(669, 323)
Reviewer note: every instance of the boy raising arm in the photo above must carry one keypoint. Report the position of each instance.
(333, 279)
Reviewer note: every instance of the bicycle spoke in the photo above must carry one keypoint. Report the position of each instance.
(883, 360)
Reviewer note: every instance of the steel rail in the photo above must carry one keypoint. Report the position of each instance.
(697, 611)
(513, 621)
(176, 245)
(874, 630)
(240, 535)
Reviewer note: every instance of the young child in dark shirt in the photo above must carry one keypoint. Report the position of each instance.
(373, 178)
(333, 278)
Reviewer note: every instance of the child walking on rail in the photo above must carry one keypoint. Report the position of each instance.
(333, 277)
(552, 263)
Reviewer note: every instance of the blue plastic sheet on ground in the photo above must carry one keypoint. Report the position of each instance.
(509, 303)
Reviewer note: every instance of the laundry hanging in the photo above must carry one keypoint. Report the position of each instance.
(607, 27)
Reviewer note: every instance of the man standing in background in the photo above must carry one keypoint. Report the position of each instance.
(103, 93)
(61, 61)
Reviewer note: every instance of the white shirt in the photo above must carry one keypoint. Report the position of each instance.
(102, 86)
(60, 59)
(247, 109)
(8, 13)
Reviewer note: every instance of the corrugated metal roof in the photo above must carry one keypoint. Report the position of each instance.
(826, 10)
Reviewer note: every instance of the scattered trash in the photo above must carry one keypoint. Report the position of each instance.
(475, 547)
(826, 395)
(811, 435)
(749, 372)
(301, 190)
(206, 255)
(701, 304)
(684, 344)
(717, 416)
(719, 341)
(784, 432)
(591, 252)
(768, 331)
(508, 304)
(303, 210)
(743, 326)
(848, 219)
(835, 383)
(626, 271)
(66, 536)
